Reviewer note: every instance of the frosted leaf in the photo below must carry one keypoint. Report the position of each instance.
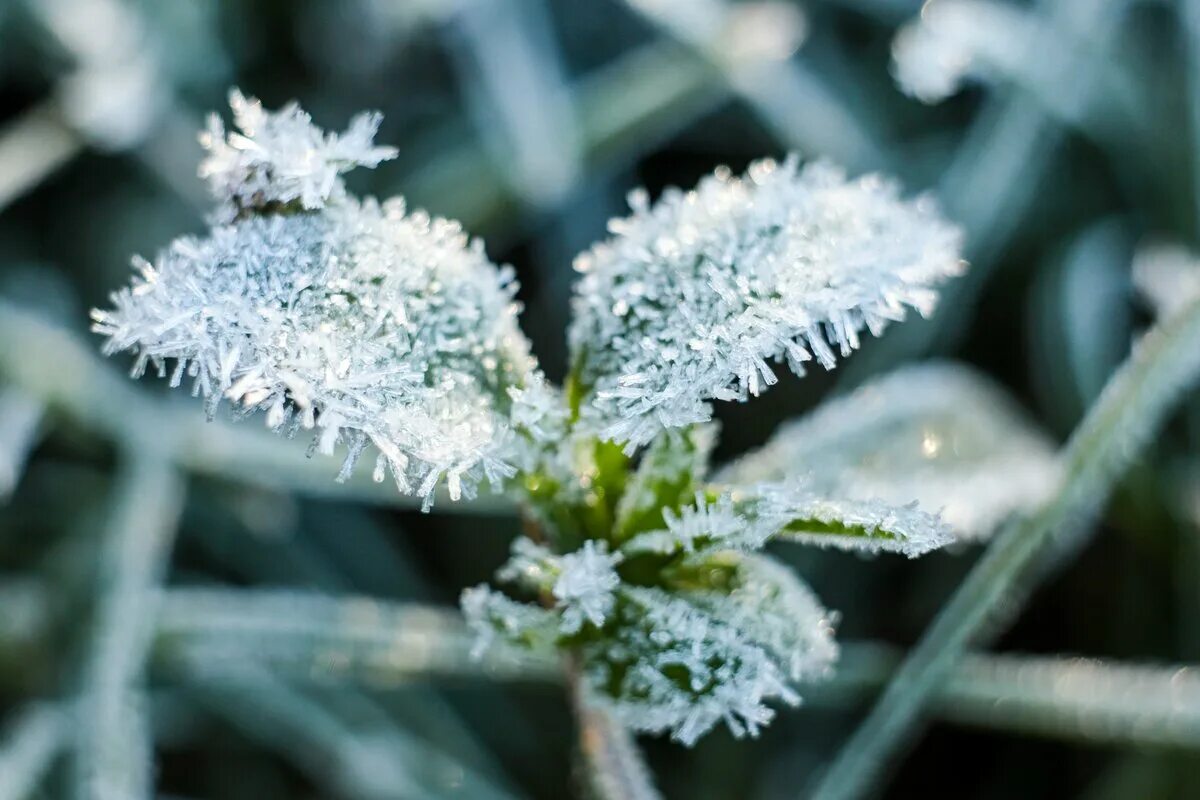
(939, 434)
(1168, 276)
(955, 39)
(665, 477)
(770, 605)
(868, 526)
(670, 667)
(494, 617)
(746, 518)
(281, 158)
(693, 296)
(366, 324)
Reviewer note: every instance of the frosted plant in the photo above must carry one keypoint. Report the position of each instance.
(693, 296)
(953, 40)
(1167, 276)
(373, 326)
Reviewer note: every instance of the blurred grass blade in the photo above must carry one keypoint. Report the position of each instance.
(31, 742)
(1059, 697)
(20, 423)
(366, 758)
(31, 148)
(301, 633)
(1129, 411)
(115, 754)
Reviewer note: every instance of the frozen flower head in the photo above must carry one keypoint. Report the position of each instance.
(693, 296)
(279, 158)
(367, 323)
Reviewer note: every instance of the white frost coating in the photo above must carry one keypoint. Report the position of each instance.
(771, 606)
(954, 39)
(725, 676)
(863, 525)
(675, 659)
(1168, 276)
(493, 617)
(691, 297)
(582, 583)
(280, 157)
(939, 434)
(584, 588)
(703, 526)
(368, 324)
(746, 518)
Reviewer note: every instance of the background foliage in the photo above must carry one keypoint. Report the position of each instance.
(529, 120)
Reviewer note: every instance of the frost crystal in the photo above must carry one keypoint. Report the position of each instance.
(694, 295)
(675, 668)
(584, 588)
(281, 158)
(938, 434)
(366, 323)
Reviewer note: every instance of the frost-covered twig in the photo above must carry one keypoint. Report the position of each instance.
(31, 742)
(114, 752)
(308, 634)
(31, 148)
(1133, 405)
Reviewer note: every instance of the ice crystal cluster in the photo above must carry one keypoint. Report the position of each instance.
(367, 323)
(377, 327)
(694, 296)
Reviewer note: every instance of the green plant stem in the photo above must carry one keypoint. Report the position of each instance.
(1130, 409)
(114, 752)
(612, 767)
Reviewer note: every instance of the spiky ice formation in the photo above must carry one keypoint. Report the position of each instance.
(675, 658)
(277, 158)
(370, 324)
(694, 295)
